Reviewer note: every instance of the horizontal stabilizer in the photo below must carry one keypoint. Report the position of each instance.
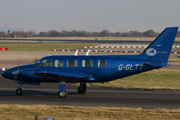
(158, 64)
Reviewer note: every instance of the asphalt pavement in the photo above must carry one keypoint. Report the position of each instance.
(47, 94)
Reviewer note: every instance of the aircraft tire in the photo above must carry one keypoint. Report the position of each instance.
(19, 91)
(81, 91)
(62, 94)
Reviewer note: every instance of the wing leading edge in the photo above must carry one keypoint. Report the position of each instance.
(61, 75)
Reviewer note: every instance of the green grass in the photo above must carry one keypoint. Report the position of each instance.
(174, 59)
(161, 80)
(23, 46)
(28, 112)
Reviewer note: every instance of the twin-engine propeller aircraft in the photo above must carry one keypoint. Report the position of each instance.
(93, 68)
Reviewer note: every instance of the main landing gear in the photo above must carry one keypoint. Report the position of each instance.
(62, 89)
(62, 94)
(82, 88)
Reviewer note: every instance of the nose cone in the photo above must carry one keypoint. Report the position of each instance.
(7, 74)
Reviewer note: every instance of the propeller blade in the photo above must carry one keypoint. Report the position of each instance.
(15, 77)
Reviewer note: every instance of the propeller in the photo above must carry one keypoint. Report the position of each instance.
(16, 73)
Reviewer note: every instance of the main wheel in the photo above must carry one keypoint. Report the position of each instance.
(81, 90)
(62, 94)
(19, 91)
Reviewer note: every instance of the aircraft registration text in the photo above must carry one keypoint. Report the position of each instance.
(130, 67)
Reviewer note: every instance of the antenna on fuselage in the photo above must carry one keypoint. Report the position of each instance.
(76, 53)
(18, 63)
(87, 52)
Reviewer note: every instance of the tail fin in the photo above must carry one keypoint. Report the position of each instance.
(160, 48)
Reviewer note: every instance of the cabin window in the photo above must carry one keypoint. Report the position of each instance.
(59, 63)
(72, 63)
(102, 63)
(87, 63)
(46, 63)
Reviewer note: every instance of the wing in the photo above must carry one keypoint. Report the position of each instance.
(61, 75)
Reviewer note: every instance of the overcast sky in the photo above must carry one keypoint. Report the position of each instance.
(92, 15)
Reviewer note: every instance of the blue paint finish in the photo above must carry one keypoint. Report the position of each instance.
(162, 45)
(118, 66)
(62, 86)
(29, 83)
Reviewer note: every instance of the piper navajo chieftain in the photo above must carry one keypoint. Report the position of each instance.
(93, 68)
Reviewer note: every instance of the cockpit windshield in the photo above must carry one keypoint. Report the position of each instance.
(37, 62)
(46, 63)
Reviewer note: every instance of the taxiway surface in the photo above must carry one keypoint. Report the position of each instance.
(47, 94)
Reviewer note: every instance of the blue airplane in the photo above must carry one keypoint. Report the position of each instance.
(87, 68)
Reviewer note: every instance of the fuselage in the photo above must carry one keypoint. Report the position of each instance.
(102, 68)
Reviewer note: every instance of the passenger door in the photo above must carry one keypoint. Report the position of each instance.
(103, 70)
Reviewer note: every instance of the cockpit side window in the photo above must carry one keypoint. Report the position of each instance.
(59, 63)
(102, 63)
(46, 63)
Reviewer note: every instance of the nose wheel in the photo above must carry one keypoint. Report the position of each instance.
(19, 91)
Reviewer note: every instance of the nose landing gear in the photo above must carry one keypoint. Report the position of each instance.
(19, 91)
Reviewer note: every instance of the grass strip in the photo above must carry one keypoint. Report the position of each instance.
(156, 80)
(26, 46)
(28, 112)
(174, 59)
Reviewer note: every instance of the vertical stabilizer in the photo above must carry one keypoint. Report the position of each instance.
(160, 48)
